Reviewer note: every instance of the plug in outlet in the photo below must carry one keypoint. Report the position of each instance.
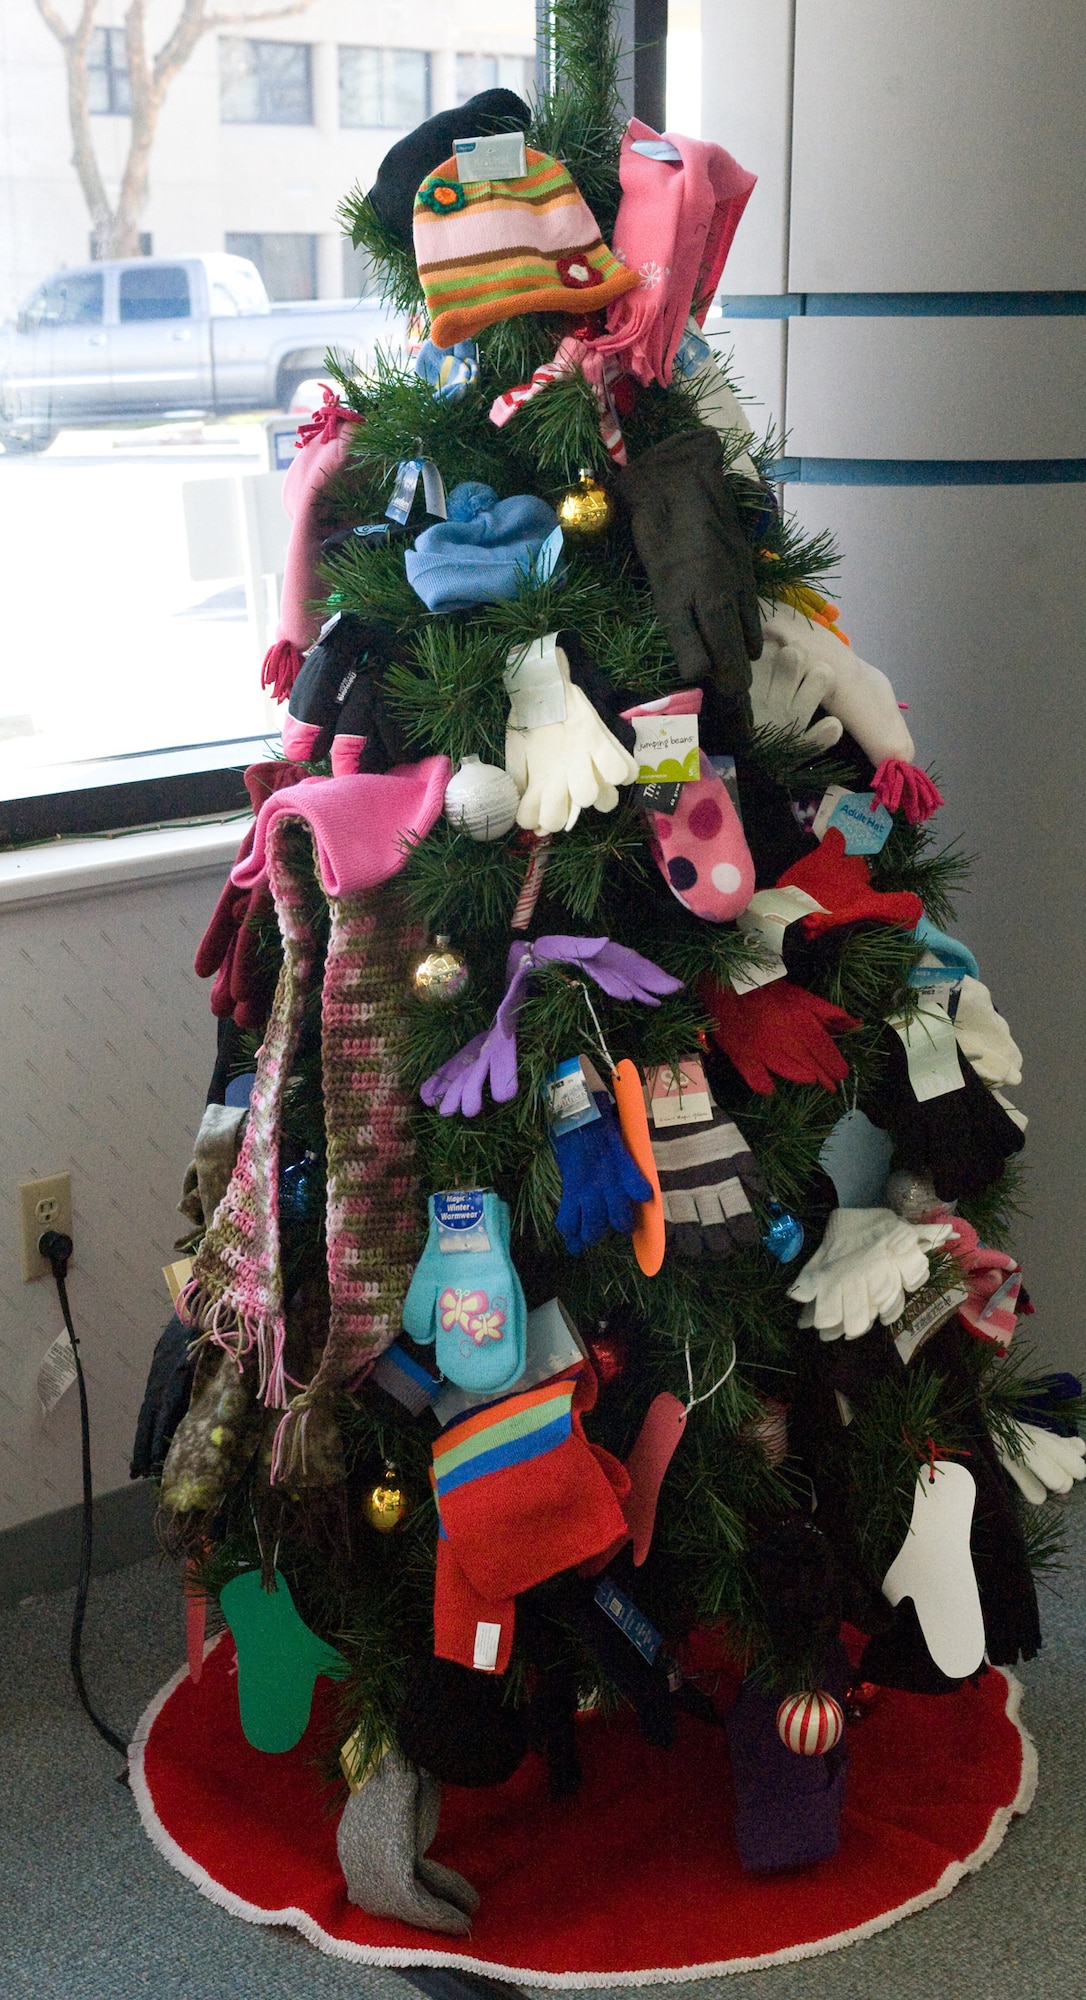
(43, 1205)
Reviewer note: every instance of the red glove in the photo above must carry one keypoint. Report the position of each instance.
(842, 884)
(228, 945)
(780, 1028)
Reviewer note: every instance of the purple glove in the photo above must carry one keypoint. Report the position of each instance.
(492, 1056)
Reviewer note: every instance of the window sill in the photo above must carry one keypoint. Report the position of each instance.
(86, 867)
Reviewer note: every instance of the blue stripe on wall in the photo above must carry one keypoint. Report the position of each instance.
(930, 472)
(881, 305)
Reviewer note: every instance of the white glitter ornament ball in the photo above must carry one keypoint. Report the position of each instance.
(482, 799)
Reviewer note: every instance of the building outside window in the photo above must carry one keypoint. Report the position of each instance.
(265, 83)
(483, 72)
(107, 73)
(384, 87)
(286, 260)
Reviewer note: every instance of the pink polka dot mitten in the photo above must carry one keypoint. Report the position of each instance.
(699, 848)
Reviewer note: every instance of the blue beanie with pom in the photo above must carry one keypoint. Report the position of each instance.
(485, 551)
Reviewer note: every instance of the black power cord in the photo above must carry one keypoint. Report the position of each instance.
(57, 1249)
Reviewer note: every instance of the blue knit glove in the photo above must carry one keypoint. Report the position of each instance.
(600, 1182)
(472, 1305)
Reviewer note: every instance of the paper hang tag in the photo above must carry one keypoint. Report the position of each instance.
(533, 681)
(924, 1314)
(931, 1051)
(678, 1094)
(499, 156)
(569, 1100)
(666, 748)
(177, 1276)
(656, 149)
(56, 1373)
(623, 1612)
(758, 975)
(865, 823)
(844, 1408)
(488, 1639)
(547, 559)
(770, 912)
(403, 494)
(356, 1766)
(1005, 1296)
(459, 1218)
(857, 1155)
(659, 798)
(401, 1377)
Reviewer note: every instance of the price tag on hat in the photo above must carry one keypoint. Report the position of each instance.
(499, 156)
(865, 823)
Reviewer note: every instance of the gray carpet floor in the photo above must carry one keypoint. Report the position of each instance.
(91, 1912)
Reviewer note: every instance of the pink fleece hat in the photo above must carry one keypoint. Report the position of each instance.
(675, 225)
(361, 825)
(322, 448)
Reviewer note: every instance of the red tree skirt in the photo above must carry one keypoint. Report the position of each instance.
(635, 1880)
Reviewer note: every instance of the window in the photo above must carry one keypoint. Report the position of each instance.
(73, 299)
(107, 72)
(478, 72)
(160, 292)
(265, 83)
(286, 260)
(360, 280)
(384, 87)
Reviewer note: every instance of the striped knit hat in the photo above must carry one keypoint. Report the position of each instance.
(487, 250)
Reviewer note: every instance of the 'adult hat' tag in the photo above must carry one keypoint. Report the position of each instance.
(865, 823)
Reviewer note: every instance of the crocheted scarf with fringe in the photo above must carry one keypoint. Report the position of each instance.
(373, 1227)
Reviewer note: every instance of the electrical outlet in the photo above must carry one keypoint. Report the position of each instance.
(43, 1205)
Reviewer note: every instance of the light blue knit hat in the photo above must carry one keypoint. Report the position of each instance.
(486, 550)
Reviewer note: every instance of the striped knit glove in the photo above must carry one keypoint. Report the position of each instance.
(705, 1172)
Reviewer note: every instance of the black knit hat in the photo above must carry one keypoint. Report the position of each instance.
(406, 165)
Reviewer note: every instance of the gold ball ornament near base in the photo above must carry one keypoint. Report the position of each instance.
(442, 975)
(385, 1506)
(586, 510)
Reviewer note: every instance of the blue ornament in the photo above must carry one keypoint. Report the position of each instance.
(784, 1237)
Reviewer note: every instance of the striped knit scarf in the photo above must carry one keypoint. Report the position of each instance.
(373, 1233)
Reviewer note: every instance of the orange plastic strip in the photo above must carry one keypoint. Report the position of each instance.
(648, 1236)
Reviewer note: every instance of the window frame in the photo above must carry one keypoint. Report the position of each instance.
(384, 123)
(263, 116)
(115, 74)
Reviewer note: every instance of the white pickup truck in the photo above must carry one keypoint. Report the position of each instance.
(155, 337)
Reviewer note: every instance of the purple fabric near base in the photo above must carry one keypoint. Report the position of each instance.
(787, 1808)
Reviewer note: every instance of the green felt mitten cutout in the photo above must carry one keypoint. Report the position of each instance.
(279, 1659)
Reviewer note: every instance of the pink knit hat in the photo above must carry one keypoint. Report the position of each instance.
(322, 448)
(675, 225)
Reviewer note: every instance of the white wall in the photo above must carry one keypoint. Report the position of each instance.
(108, 1048)
(930, 148)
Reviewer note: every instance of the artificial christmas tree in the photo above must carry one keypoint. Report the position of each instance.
(643, 1246)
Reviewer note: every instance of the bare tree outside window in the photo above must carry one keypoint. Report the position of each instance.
(116, 225)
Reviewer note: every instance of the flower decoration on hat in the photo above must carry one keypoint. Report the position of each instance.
(576, 272)
(442, 197)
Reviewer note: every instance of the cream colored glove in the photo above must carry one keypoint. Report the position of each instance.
(983, 1036)
(787, 684)
(867, 1261)
(1043, 1462)
(860, 696)
(560, 768)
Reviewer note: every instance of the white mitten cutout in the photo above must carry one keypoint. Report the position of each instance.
(935, 1569)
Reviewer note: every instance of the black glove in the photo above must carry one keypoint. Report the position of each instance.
(165, 1399)
(330, 672)
(458, 1725)
(962, 1139)
(689, 534)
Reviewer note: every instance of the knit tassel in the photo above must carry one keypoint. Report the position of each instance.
(898, 785)
(282, 665)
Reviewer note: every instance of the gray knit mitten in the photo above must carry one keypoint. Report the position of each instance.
(383, 1836)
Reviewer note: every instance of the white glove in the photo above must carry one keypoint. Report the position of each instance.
(1017, 1117)
(559, 768)
(983, 1036)
(786, 686)
(866, 1262)
(720, 406)
(1043, 1463)
(860, 696)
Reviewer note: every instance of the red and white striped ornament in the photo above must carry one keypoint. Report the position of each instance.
(810, 1723)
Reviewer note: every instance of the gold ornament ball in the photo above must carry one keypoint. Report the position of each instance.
(385, 1507)
(587, 509)
(442, 975)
